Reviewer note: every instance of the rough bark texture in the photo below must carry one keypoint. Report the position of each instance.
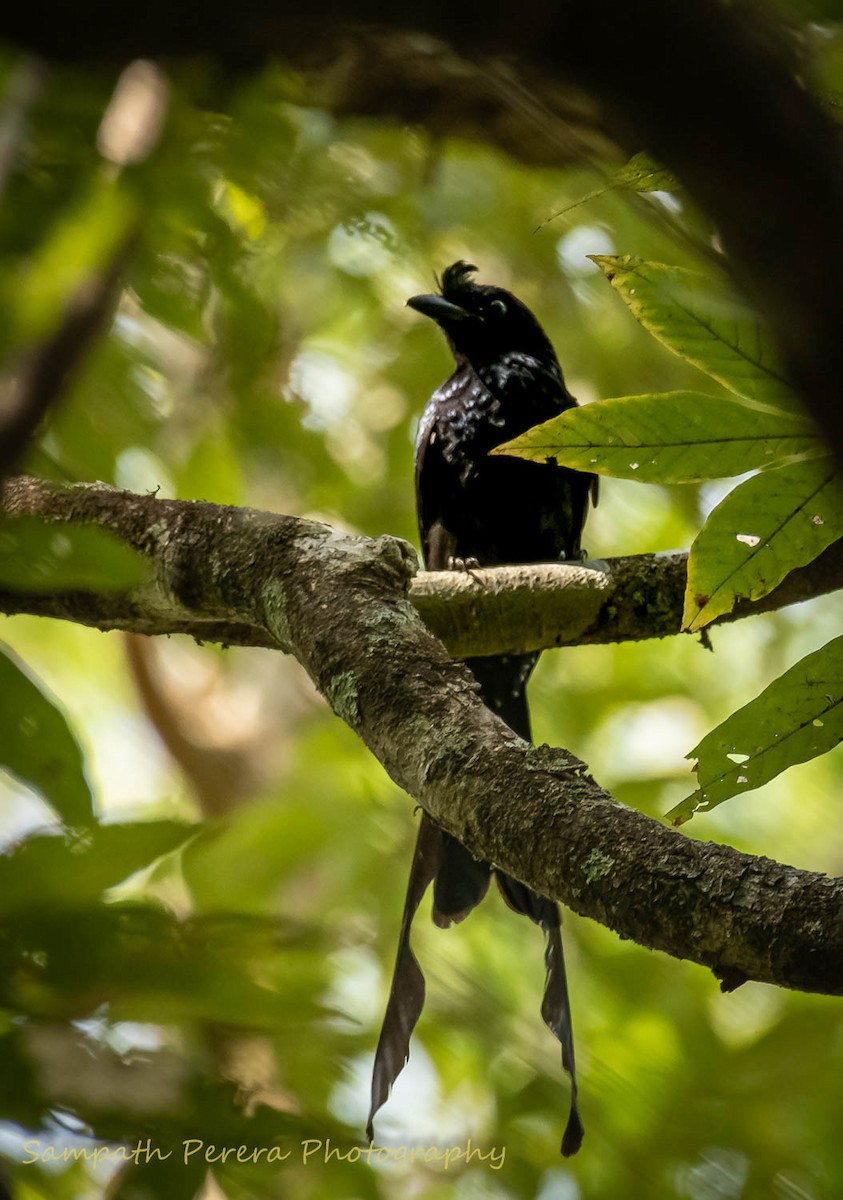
(499, 610)
(511, 610)
(534, 810)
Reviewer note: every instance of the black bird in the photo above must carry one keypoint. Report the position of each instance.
(492, 511)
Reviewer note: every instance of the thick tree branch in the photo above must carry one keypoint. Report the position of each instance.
(511, 610)
(340, 605)
(501, 610)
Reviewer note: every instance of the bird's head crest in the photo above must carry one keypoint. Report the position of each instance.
(456, 279)
(483, 323)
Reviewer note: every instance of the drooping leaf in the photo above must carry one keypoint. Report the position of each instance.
(702, 321)
(668, 437)
(38, 746)
(36, 556)
(766, 527)
(799, 716)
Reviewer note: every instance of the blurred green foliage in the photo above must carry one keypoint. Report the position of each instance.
(217, 972)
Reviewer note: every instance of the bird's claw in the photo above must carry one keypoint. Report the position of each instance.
(468, 565)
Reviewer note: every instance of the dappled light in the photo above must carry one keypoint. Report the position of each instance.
(203, 868)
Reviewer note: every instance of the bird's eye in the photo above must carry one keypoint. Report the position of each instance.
(498, 307)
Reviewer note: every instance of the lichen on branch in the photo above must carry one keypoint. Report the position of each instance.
(341, 605)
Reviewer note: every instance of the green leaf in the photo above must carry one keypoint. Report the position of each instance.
(799, 716)
(244, 211)
(703, 322)
(247, 851)
(37, 556)
(76, 869)
(148, 965)
(640, 174)
(84, 239)
(644, 174)
(668, 437)
(38, 746)
(763, 529)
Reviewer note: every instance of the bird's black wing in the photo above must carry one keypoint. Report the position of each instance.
(437, 489)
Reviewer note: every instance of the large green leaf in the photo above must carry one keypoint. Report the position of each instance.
(37, 556)
(76, 869)
(799, 716)
(668, 437)
(763, 529)
(148, 965)
(702, 321)
(38, 746)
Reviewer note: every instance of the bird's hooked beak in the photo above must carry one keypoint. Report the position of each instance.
(443, 311)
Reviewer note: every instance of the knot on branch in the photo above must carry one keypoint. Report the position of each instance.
(398, 559)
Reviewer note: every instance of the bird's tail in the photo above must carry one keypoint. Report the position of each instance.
(503, 686)
(406, 996)
(460, 881)
(556, 1006)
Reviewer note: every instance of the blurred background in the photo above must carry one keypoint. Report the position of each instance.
(232, 988)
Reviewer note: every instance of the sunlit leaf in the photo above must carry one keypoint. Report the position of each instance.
(242, 210)
(38, 746)
(766, 527)
(644, 174)
(83, 240)
(702, 321)
(640, 174)
(799, 716)
(668, 437)
(37, 556)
